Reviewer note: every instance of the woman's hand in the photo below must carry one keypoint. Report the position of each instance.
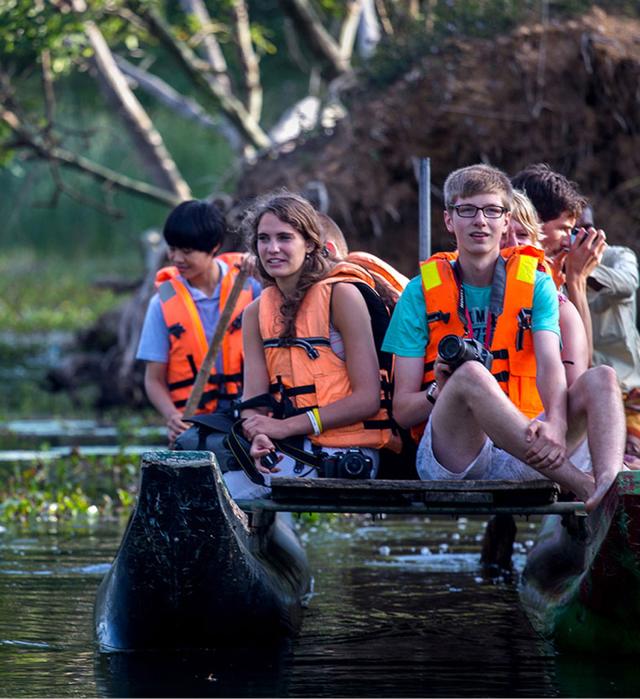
(266, 425)
(261, 445)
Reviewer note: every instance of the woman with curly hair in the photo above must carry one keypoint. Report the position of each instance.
(308, 343)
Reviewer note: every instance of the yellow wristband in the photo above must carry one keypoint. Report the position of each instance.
(316, 414)
(314, 425)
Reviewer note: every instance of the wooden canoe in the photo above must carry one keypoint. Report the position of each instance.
(580, 586)
(195, 571)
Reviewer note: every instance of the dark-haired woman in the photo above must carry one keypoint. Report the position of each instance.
(183, 314)
(308, 342)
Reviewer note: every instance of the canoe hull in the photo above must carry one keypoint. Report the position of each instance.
(193, 570)
(581, 583)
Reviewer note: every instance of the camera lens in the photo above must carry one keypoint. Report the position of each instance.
(353, 465)
(450, 348)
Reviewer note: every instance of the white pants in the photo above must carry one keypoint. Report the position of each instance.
(492, 463)
(242, 487)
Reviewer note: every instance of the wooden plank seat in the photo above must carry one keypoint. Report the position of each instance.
(412, 497)
(394, 493)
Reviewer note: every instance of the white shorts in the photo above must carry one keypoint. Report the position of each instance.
(241, 487)
(492, 463)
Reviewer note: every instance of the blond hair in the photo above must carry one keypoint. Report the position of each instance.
(477, 179)
(523, 211)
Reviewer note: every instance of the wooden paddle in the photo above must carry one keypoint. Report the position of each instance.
(216, 342)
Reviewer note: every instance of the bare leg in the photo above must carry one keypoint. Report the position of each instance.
(595, 401)
(471, 407)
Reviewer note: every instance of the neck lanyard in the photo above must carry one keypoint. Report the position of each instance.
(465, 316)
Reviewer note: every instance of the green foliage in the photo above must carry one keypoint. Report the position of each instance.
(41, 295)
(30, 27)
(67, 488)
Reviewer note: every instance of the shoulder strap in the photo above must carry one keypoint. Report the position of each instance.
(379, 322)
(240, 446)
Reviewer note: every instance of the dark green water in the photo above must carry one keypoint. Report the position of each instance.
(400, 609)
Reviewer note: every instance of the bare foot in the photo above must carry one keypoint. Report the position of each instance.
(601, 489)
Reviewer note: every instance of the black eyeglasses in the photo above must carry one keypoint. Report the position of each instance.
(469, 210)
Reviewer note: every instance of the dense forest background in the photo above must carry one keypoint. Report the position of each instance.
(112, 111)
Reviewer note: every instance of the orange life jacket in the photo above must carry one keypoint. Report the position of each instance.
(384, 275)
(514, 362)
(188, 344)
(305, 371)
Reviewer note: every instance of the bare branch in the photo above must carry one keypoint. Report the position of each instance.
(384, 17)
(194, 69)
(248, 59)
(147, 139)
(184, 106)
(62, 188)
(369, 32)
(28, 139)
(320, 41)
(212, 48)
(47, 88)
(349, 28)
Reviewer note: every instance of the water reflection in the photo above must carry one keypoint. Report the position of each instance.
(261, 672)
(400, 609)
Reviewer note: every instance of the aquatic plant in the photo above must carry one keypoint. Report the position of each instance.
(94, 486)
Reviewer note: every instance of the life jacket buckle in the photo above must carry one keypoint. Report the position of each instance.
(438, 315)
(524, 323)
(177, 329)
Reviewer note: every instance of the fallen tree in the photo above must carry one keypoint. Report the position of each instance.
(563, 92)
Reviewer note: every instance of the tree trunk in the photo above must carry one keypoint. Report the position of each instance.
(148, 142)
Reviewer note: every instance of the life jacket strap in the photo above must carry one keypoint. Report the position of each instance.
(293, 390)
(524, 323)
(216, 379)
(213, 394)
(387, 424)
(308, 344)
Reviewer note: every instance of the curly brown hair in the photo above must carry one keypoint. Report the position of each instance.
(300, 214)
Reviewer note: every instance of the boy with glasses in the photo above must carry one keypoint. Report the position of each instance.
(481, 423)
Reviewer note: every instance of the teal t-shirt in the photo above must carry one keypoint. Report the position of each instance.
(408, 332)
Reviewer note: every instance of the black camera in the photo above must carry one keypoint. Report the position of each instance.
(456, 350)
(351, 463)
(270, 460)
(575, 235)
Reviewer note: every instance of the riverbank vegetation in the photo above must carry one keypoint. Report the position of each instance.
(62, 489)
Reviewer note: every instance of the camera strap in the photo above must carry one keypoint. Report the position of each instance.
(496, 301)
(240, 448)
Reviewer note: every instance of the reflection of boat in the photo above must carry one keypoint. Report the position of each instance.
(582, 578)
(249, 671)
(193, 570)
